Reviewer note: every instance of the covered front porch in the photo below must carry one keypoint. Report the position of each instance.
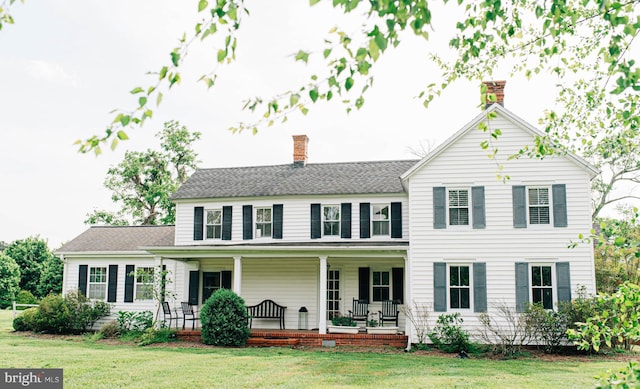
(322, 280)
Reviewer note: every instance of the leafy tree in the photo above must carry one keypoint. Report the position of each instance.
(51, 277)
(144, 181)
(9, 280)
(30, 254)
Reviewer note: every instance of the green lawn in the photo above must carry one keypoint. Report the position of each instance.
(98, 365)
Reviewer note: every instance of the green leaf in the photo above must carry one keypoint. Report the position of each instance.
(163, 72)
(124, 120)
(302, 56)
(136, 90)
(221, 55)
(374, 50)
(293, 99)
(313, 94)
(326, 53)
(142, 101)
(122, 135)
(313, 2)
(175, 58)
(159, 98)
(202, 4)
(348, 83)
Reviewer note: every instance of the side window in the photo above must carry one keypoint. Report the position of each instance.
(214, 224)
(144, 283)
(458, 207)
(459, 287)
(380, 219)
(331, 220)
(542, 286)
(263, 222)
(538, 202)
(381, 282)
(97, 283)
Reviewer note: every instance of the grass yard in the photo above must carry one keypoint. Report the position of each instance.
(89, 364)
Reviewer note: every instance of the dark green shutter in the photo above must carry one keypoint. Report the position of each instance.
(397, 278)
(522, 286)
(227, 217)
(194, 284)
(477, 202)
(226, 279)
(396, 220)
(247, 222)
(82, 279)
(563, 278)
(277, 221)
(439, 208)
(439, 287)
(315, 221)
(559, 193)
(363, 283)
(345, 220)
(365, 223)
(112, 286)
(198, 220)
(519, 206)
(480, 287)
(129, 279)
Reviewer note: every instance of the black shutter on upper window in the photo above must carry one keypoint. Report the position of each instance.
(439, 207)
(439, 286)
(396, 220)
(198, 220)
(345, 220)
(559, 193)
(113, 284)
(519, 206)
(227, 217)
(226, 279)
(194, 284)
(129, 278)
(82, 278)
(365, 220)
(363, 283)
(247, 222)
(315, 221)
(277, 221)
(397, 278)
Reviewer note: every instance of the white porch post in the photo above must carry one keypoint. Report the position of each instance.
(237, 275)
(407, 298)
(322, 323)
(65, 275)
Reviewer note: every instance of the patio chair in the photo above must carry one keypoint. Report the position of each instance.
(389, 312)
(169, 314)
(187, 310)
(360, 310)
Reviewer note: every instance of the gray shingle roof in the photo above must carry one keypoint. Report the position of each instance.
(285, 180)
(120, 238)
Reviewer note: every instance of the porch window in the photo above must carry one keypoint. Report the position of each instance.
(97, 283)
(211, 281)
(459, 207)
(381, 285)
(144, 283)
(263, 222)
(331, 220)
(380, 219)
(459, 287)
(542, 286)
(214, 224)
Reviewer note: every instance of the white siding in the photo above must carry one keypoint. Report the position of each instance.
(499, 245)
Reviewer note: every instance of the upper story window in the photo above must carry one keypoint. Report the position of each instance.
(214, 224)
(458, 207)
(538, 201)
(459, 287)
(263, 222)
(97, 283)
(331, 220)
(144, 283)
(380, 219)
(381, 283)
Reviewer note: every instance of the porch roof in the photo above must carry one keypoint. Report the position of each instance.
(119, 239)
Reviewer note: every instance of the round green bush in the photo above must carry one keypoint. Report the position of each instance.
(25, 321)
(53, 315)
(26, 297)
(224, 319)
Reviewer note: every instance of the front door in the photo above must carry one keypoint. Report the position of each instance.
(333, 293)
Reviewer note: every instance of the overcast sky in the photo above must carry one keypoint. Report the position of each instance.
(66, 64)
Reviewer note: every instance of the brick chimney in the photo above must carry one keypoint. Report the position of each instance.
(496, 88)
(300, 143)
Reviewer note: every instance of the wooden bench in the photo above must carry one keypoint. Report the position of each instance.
(267, 309)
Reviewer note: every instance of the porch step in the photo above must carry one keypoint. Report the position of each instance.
(272, 342)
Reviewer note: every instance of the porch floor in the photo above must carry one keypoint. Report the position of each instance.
(309, 338)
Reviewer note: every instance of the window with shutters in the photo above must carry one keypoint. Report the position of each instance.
(214, 224)
(459, 287)
(542, 285)
(211, 281)
(331, 220)
(538, 201)
(458, 201)
(144, 283)
(263, 222)
(381, 283)
(97, 283)
(380, 217)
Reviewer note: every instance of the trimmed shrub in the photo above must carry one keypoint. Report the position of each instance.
(110, 330)
(25, 321)
(343, 321)
(134, 321)
(84, 312)
(25, 297)
(448, 334)
(52, 315)
(224, 319)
